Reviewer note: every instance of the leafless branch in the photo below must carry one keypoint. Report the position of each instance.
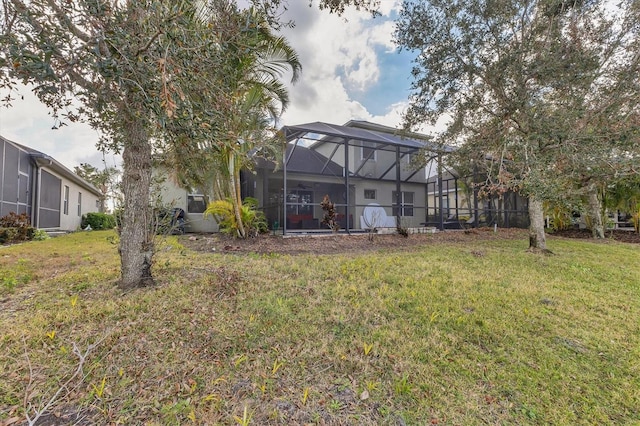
(82, 357)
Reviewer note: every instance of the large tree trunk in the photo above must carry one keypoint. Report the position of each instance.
(595, 211)
(537, 238)
(136, 239)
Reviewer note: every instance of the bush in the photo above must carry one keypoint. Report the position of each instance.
(40, 235)
(253, 220)
(169, 221)
(15, 227)
(98, 221)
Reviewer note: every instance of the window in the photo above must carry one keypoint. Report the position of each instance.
(196, 203)
(406, 204)
(445, 206)
(300, 202)
(66, 200)
(79, 203)
(368, 152)
(369, 194)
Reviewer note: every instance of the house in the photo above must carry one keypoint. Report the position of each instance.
(192, 202)
(51, 195)
(366, 169)
(377, 177)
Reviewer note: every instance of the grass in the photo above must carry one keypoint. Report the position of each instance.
(453, 333)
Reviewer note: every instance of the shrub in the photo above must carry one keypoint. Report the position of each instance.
(40, 235)
(330, 216)
(98, 221)
(253, 220)
(15, 227)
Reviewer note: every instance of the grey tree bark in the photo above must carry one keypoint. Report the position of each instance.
(595, 211)
(537, 237)
(136, 239)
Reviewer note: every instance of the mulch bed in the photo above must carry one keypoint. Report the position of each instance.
(359, 243)
(625, 236)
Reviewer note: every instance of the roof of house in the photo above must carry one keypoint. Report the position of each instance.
(41, 159)
(305, 160)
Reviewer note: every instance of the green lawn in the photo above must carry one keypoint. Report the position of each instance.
(453, 333)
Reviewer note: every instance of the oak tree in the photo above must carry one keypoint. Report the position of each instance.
(539, 88)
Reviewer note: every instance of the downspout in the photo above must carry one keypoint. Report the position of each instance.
(36, 199)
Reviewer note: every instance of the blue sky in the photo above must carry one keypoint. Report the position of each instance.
(351, 70)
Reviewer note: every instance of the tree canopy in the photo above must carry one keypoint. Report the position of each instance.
(140, 71)
(252, 99)
(104, 180)
(545, 90)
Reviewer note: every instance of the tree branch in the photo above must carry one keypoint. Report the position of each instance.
(64, 18)
(82, 357)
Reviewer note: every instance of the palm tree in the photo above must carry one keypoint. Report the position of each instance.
(254, 99)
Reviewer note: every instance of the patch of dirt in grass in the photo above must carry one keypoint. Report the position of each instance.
(340, 243)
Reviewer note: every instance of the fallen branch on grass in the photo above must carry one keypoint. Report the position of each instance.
(39, 412)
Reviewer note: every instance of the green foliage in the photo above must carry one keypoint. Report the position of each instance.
(532, 98)
(20, 274)
(624, 195)
(253, 96)
(223, 212)
(104, 180)
(635, 219)
(40, 235)
(98, 221)
(559, 216)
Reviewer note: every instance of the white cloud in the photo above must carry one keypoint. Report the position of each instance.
(339, 57)
(389, 6)
(28, 123)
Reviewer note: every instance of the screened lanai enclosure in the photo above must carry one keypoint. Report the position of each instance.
(375, 176)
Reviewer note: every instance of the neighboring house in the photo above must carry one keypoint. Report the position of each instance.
(192, 202)
(51, 195)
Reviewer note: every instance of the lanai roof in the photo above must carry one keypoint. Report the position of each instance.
(359, 131)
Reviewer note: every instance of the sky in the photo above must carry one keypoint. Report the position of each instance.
(351, 70)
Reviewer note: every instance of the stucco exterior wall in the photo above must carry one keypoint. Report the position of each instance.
(174, 196)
